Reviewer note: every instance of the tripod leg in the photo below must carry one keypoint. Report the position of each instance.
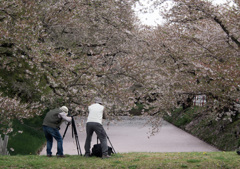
(66, 130)
(74, 131)
(78, 146)
(111, 145)
(109, 142)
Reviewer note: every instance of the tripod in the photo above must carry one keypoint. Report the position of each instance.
(111, 145)
(74, 131)
(109, 142)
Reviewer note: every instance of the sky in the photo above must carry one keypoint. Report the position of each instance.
(153, 18)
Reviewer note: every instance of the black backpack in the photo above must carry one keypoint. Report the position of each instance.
(97, 150)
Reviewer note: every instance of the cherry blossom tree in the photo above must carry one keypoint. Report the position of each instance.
(201, 44)
(66, 52)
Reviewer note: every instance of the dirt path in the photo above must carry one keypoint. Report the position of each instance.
(131, 135)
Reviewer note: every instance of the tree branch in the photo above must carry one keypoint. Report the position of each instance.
(217, 20)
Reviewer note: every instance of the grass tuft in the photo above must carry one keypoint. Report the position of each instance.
(127, 160)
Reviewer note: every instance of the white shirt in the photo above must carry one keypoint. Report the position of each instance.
(95, 113)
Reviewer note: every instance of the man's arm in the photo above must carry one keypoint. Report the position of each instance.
(64, 116)
(105, 115)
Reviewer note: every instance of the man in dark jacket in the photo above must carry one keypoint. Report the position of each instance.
(51, 126)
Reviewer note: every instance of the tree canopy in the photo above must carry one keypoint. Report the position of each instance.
(67, 52)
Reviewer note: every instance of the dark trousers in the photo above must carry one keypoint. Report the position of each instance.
(101, 134)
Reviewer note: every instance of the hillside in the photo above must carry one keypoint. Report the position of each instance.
(222, 133)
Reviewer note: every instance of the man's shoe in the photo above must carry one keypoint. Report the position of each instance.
(49, 155)
(61, 156)
(87, 155)
(105, 156)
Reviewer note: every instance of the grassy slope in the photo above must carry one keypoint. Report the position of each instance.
(30, 140)
(223, 134)
(130, 160)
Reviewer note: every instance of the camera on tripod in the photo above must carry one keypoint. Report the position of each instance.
(75, 135)
(74, 132)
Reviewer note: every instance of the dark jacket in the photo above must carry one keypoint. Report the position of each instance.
(52, 120)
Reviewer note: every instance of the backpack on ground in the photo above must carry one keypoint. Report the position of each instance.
(97, 150)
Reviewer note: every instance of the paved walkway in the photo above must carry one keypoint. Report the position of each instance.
(132, 135)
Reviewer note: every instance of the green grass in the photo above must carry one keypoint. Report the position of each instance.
(30, 140)
(211, 160)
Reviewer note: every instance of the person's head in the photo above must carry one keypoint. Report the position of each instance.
(64, 108)
(98, 100)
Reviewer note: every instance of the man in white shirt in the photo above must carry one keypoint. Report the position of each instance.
(94, 124)
(51, 126)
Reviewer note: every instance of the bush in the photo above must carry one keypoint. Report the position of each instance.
(180, 117)
(136, 111)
